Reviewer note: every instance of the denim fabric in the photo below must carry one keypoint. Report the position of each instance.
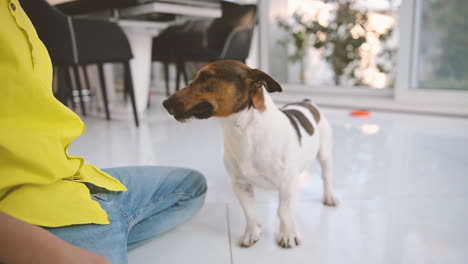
(158, 199)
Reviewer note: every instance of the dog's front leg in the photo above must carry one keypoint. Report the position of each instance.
(286, 212)
(253, 229)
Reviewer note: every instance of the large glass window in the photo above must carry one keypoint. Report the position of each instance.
(334, 43)
(442, 45)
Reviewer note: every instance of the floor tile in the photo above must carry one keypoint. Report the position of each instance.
(401, 179)
(202, 240)
(368, 231)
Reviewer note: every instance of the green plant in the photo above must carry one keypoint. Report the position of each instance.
(387, 57)
(340, 40)
(299, 36)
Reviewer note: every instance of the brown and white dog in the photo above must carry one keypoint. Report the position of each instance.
(264, 146)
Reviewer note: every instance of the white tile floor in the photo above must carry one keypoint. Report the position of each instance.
(402, 180)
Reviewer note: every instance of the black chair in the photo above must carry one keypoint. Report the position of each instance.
(225, 38)
(78, 42)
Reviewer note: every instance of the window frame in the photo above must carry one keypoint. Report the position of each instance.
(404, 96)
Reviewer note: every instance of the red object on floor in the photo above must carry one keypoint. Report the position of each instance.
(361, 113)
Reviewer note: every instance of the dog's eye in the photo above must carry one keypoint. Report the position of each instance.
(203, 77)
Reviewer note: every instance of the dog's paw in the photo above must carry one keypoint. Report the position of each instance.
(250, 236)
(289, 240)
(330, 200)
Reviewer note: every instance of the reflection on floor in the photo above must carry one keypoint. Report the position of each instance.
(402, 181)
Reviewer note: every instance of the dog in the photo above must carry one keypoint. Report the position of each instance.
(264, 146)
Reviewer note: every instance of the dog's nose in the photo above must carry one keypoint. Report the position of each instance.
(169, 107)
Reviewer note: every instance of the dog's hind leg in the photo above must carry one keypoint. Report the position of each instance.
(253, 229)
(325, 159)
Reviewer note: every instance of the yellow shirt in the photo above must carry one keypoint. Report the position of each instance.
(40, 182)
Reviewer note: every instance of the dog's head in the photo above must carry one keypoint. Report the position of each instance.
(220, 89)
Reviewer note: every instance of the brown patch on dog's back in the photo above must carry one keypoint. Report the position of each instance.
(294, 124)
(305, 123)
(312, 109)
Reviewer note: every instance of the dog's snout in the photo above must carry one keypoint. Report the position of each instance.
(169, 106)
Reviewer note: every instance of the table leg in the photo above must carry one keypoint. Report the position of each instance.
(141, 45)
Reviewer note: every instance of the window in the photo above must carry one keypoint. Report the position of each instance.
(381, 54)
(433, 60)
(442, 45)
(333, 43)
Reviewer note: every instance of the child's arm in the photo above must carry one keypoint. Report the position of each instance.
(21, 242)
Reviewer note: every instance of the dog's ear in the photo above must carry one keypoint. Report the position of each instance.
(257, 100)
(260, 79)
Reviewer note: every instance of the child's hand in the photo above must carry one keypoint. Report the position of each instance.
(21, 242)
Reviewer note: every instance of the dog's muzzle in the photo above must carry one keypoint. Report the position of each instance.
(202, 110)
(169, 106)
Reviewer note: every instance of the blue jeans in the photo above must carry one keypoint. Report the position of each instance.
(158, 199)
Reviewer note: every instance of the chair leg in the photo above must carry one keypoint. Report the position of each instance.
(102, 84)
(86, 78)
(80, 91)
(68, 93)
(129, 84)
(148, 104)
(125, 91)
(56, 83)
(177, 76)
(61, 90)
(84, 68)
(184, 72)
(166, 77)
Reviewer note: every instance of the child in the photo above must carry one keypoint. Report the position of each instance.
(54, 208)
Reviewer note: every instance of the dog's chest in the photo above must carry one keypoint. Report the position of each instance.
(255, 159)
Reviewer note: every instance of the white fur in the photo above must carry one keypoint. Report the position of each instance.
(262, 149)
